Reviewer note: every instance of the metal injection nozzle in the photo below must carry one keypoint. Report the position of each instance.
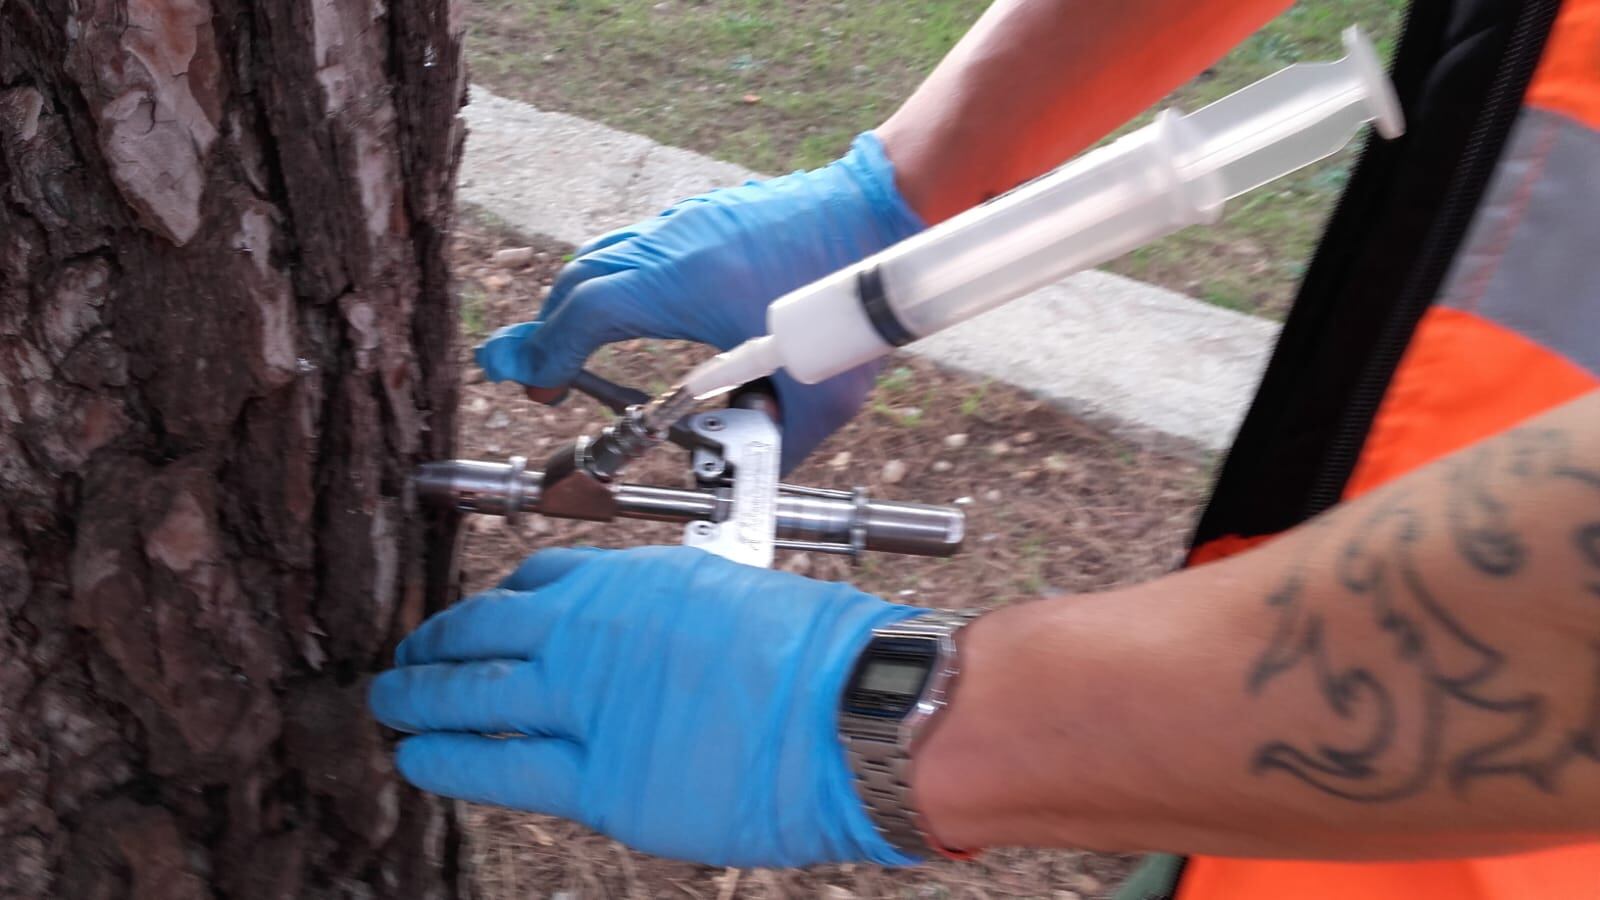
(634, 433)
(576, 477)
(660, 414)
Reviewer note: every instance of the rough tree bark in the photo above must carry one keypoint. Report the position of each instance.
(224, 340)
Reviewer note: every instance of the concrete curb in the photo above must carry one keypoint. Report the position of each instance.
(1140, 359)
(571, 179)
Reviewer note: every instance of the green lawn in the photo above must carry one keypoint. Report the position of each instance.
(782, 84)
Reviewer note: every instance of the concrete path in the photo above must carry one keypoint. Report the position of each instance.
(1136, 357)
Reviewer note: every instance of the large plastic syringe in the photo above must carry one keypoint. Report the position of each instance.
(1177, 171)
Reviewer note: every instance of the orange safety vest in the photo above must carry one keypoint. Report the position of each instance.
(1455, 294)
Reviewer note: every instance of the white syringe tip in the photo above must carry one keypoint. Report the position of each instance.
(753, 359)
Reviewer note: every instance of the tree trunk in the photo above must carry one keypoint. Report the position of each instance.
(225, 339)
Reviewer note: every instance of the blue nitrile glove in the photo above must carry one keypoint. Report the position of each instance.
(681, 703)
(706, 269)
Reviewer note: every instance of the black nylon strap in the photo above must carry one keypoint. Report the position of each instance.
(875, 301)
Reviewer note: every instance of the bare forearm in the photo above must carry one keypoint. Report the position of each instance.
(1036, 81)
(1416, 674)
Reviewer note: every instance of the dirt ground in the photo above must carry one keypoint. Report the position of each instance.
(1054, 506)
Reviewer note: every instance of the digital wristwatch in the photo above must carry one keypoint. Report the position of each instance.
(902, 678)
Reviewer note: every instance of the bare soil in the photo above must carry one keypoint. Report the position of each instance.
(1054, 506)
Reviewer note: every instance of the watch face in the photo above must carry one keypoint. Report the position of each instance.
(889, 676)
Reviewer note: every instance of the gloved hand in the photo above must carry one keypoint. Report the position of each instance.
(707, 268)
(677, 701)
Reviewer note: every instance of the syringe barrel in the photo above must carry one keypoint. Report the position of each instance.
(1106, 203)
(1092, 210)
(1173, 173)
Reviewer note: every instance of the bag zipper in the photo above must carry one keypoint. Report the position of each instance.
(1489, 135)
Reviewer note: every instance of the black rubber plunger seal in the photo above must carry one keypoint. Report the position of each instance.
(875, 302)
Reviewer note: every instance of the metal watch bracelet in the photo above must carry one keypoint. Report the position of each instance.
(879, 750)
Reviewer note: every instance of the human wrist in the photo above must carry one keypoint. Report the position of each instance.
(872, 172)
(922, 175)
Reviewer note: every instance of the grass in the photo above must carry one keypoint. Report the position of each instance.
(777, 85)
(681, 71)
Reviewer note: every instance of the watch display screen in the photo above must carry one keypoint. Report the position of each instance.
(891, 676)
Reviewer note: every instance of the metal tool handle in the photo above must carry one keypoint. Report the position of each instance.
(619, 398)
(612, 396)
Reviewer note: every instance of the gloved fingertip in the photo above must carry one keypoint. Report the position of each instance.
(501, 356)
(410, 651)
(548, 396)
(452, 765)
(383, 699)
(555, 354)
(417, 759)
(531, 355)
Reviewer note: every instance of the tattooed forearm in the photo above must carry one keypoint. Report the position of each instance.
(1418, 691)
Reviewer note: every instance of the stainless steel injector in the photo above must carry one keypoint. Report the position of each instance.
(815, 519)
(638, 430)
(737, 508)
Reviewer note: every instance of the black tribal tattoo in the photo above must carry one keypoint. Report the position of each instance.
(1403, 723)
